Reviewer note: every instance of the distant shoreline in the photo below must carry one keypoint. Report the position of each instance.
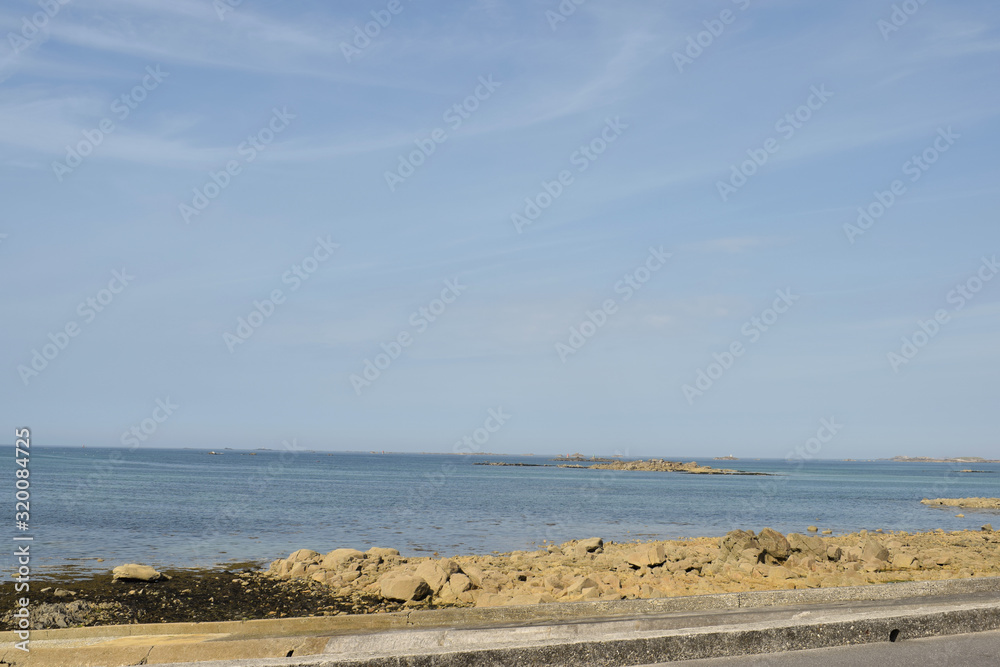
(956, 459)
(543, 455)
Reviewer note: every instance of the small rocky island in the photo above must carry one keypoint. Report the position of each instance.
(968, 503)
(956, 459)
(652, 465)
(660, 465)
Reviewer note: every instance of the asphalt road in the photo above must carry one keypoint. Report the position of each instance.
(974, 650)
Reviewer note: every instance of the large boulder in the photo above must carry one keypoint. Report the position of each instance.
(336, 558)
(382, 552)
(591, 544)
(774, 544)
(808, 545)
(135, 572)
(450, 566)
(649, 556)
(736, 542)
(872, 549)
(459, 583)
(435, 575)
(404, 588)
(475, 574)
(304, 556)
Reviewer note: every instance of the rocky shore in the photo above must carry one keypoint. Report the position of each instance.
(350, 581)
(592, 569)
(242, 592)
(968, 503)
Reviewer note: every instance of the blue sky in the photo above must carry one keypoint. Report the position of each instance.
(610, 122)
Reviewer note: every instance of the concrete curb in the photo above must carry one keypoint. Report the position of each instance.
(472, 616)
(623, 632)
(642, 648)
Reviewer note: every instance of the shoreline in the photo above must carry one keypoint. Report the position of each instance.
(349, 581)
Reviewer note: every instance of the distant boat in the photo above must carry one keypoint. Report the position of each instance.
(216, 453)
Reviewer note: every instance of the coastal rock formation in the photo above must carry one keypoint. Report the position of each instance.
(404, 588)
(956, 459)
(968, 503)
(594, 569)
(135, 572)
(660, 465)
(76, 613)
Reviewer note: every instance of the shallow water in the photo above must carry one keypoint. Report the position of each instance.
(186, 508)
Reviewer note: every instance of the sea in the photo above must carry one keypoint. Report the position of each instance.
(187, 508)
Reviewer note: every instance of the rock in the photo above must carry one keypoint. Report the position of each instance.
(852, 554)
(404, 588)
(872, 549)
(903, 562)
(736, 542)
(449, 566)
(592, 544)
(650, 556)
(135, 572)
(581, 585)
(432, 572)
(459, 583)
(827, 532)
(987, 527)
(809, 545)
(834, 552)
(812, 529)
(63, 593)
(959, 516)
(493, 600)
(969, 503)
(475, 574)
(304, 556)
(338, 557)
(381, 552)
(774, 544)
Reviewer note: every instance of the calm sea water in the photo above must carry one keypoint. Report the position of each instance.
(185, 508)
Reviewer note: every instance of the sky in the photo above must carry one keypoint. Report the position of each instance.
(645, 228)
